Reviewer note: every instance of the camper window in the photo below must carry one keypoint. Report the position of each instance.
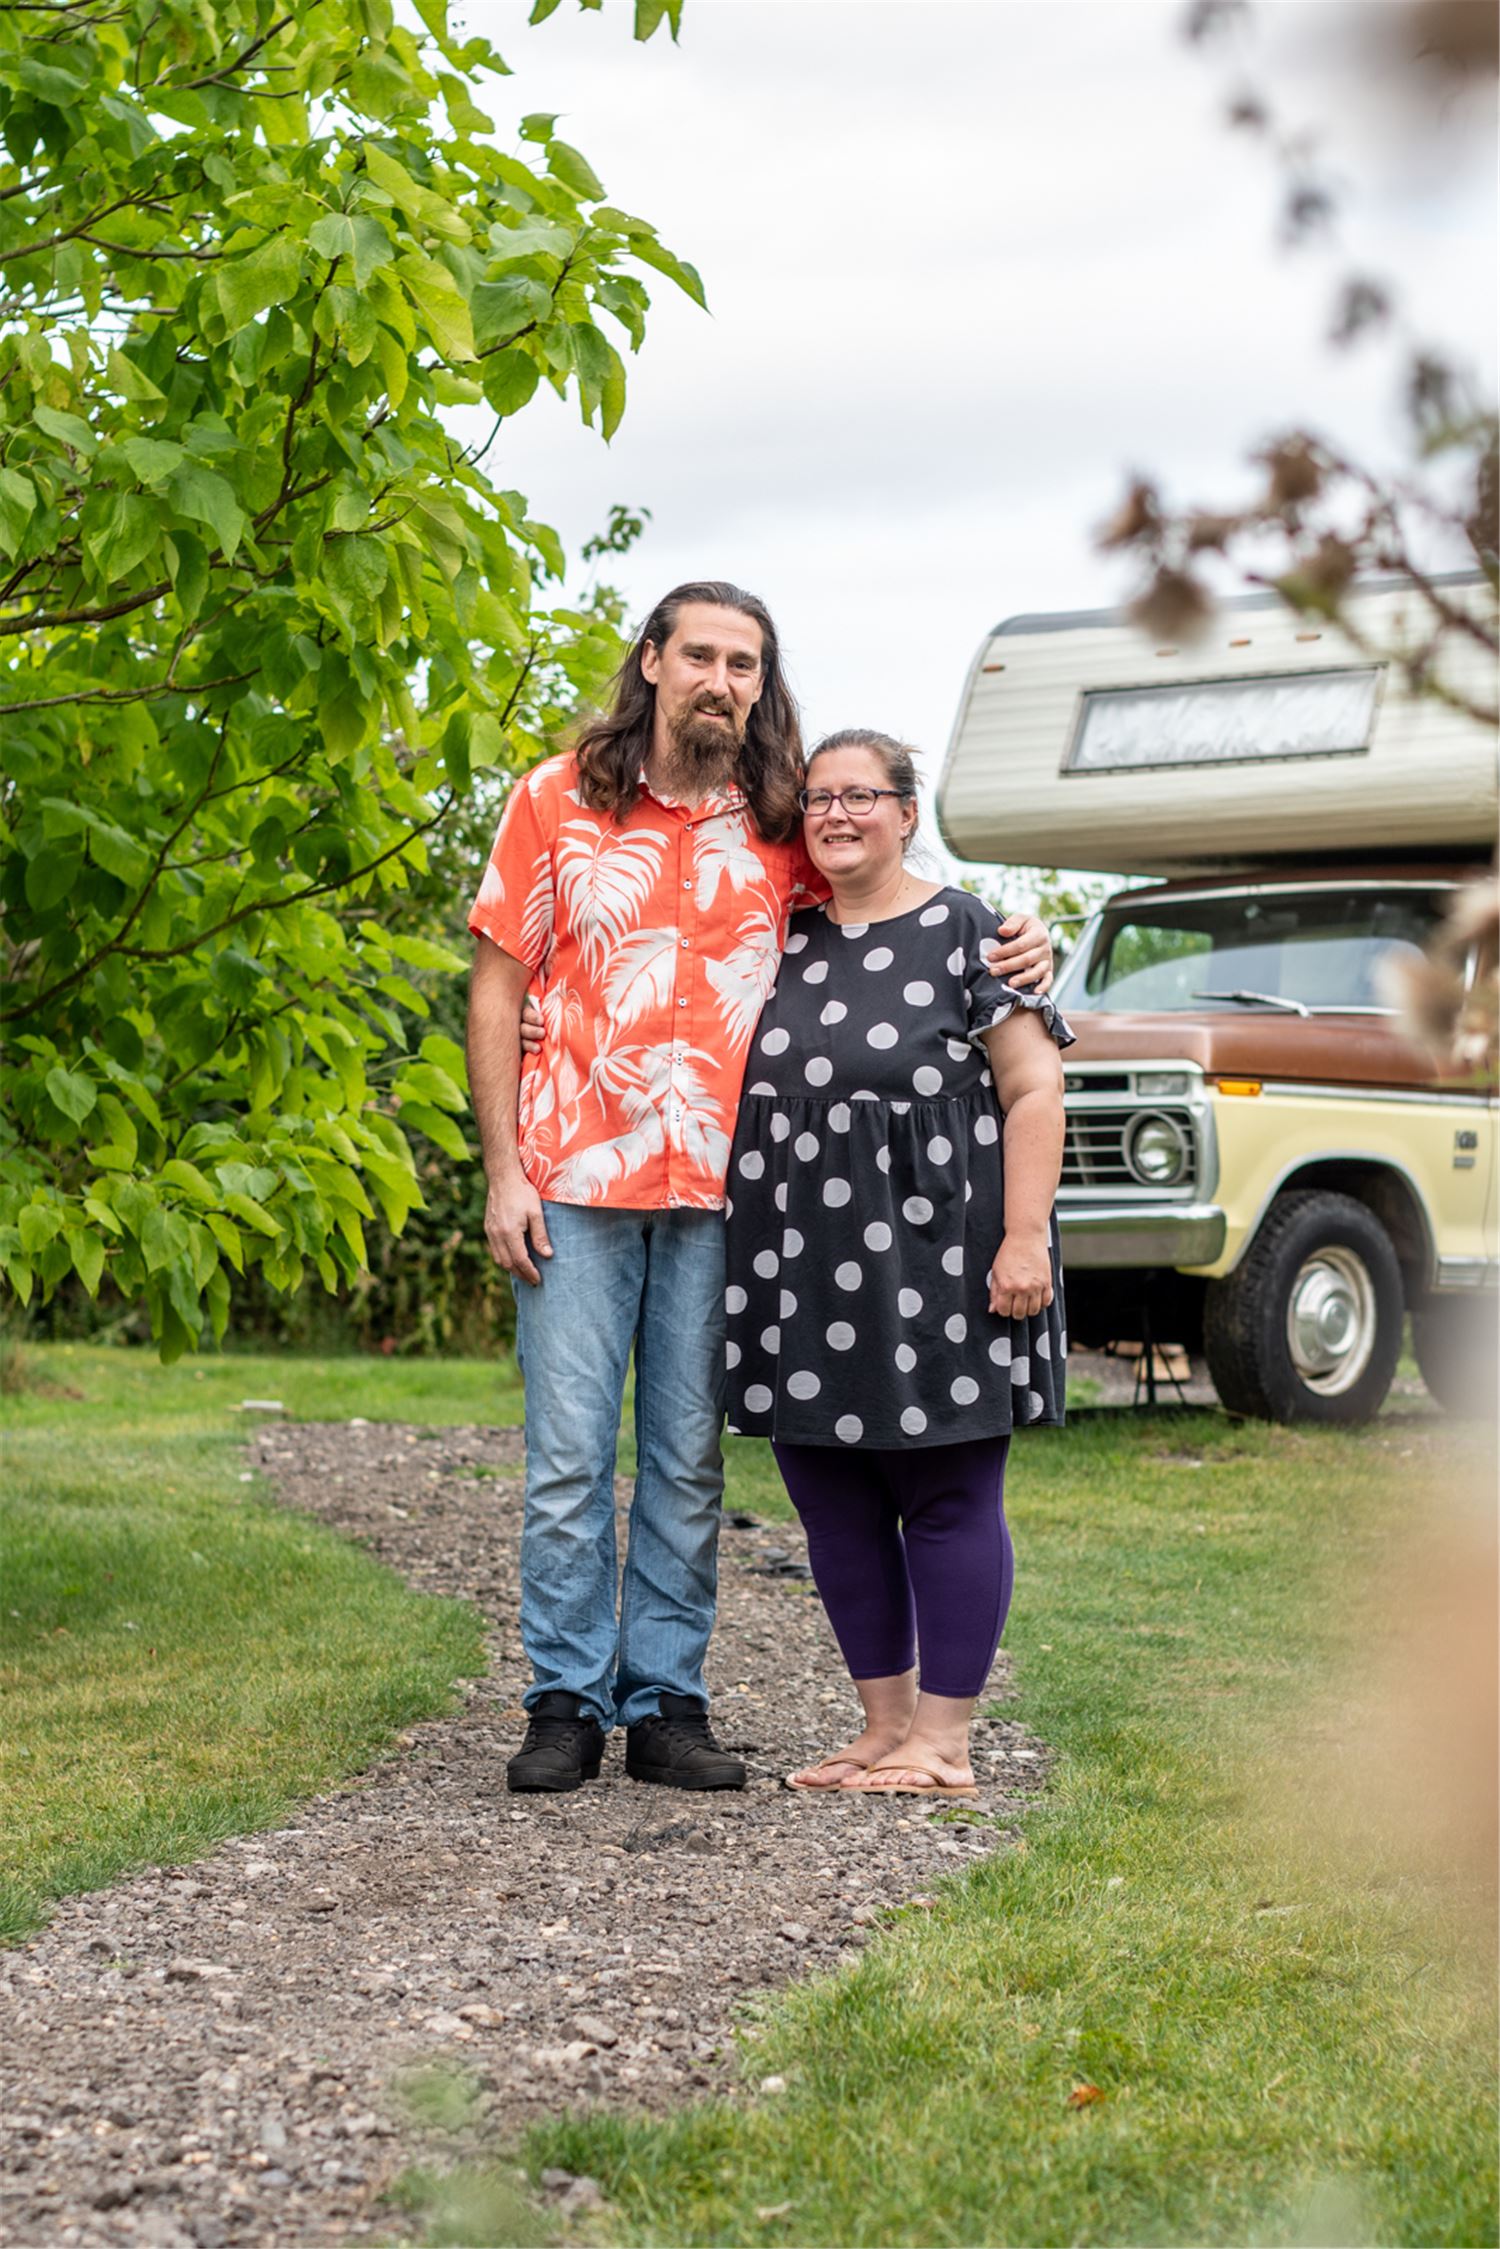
(1224, 722)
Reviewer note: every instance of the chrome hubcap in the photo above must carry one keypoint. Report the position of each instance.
(1330, 1321)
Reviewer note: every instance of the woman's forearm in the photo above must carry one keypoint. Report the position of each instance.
(1033, 1146)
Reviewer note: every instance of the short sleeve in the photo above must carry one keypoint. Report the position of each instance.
(517, 898)
(808, 886)
(988, 998)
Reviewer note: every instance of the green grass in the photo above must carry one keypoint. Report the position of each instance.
(1283, 1999)
(180, 1660)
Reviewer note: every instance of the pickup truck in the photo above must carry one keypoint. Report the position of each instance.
(1261, 1166)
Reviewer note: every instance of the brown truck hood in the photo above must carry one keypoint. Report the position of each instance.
(1259, 1043)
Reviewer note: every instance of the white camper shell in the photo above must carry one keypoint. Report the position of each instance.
(1081, 743)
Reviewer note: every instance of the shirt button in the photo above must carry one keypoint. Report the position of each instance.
(687, 882)
(682, 1003)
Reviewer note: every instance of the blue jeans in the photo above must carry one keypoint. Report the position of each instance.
(654, 1279)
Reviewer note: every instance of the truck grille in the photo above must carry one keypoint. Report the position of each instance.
(1094, 1148)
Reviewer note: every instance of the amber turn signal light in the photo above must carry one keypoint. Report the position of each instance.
(1238, 1085)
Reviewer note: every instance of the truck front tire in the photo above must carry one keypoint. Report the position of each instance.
(1308, 1325)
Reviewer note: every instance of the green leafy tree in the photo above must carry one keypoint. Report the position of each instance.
(262, 617)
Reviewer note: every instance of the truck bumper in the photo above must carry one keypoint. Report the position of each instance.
(1180, 1234)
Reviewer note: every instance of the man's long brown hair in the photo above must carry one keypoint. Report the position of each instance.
(612, 749)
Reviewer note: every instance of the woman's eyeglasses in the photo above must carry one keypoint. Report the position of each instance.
(858, 803)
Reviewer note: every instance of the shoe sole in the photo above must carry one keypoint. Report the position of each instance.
(679, 1780)
(551, 1787)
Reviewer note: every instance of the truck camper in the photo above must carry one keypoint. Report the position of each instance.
(1260, 1164)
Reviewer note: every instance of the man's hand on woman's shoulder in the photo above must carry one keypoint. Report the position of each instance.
(1021, 954)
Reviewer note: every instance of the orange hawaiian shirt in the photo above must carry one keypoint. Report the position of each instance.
(654, 942)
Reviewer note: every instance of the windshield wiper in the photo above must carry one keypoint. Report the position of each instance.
(1257, 999)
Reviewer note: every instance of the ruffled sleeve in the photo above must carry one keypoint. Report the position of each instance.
(989, 999)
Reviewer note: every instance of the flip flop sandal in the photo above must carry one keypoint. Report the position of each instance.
(936, 1788)
(824, 1787)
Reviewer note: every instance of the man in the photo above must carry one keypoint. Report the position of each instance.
(645, 880)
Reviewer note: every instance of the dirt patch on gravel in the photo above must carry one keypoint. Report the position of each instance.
(212, 2055)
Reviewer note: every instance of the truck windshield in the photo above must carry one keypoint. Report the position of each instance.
(1320, 948)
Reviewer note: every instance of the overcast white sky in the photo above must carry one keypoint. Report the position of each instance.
(968, 262)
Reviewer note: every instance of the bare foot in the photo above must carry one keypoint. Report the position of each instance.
(842, 1767)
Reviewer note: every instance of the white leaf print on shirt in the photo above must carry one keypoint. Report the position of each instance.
(640, 975)
(719, 849)
(491, 890)
(695, 1121)
(604, 881)
(743, 979)
(537, 913)
(623, 1074)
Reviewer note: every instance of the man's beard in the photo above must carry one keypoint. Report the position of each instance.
(705, 750)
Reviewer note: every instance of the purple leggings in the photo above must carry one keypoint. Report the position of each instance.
(909, 1550)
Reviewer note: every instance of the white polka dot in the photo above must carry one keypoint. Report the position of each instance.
(849, 1428)
(841, 1336)
(731, 1354)
(968, 1190)
(882, 1159)
(1020, 1371)
(939, 1149)
(855, 928)
(953, 1260)
(956, 961)
(956, 1328)
(1035, 1404)
(752, 1164)
(880, 957)
(1000, 1350)
(775, 1042)
(780, 1127)
(735, 1298)
(834, 1012)
(805, 1147)
(849, 1276)
(779, 1198)
(836, 1193)
(816, 972)
(791, 1243)
(728, 1206)
(788, 1304)
(819, 1070)
(762, 1085)
(986, 1130)
(927, 1081)
(906, 1357)
(802, 1385)
(864, 1095)
(1062, 1343)
(757, 1398)
(797, 942)
(878, 1236)
(899, 1108)
(918, 994)
(964, 1391)
(882, 1035)
(767, 1264)
(958, 1049)
(908, 1304)
(914, 1421)
(916, 1210)
(770, 1340)
(931, 915)
(1042, 1345)
(985, 1078)
(838, 1117)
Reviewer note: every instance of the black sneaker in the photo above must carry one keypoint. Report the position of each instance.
(562, 1748)
(677, 1749)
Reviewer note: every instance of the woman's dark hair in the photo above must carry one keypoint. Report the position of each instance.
(896, 758)
(612, 749)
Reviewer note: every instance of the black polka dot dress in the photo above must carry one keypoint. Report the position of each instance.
(866, 1195)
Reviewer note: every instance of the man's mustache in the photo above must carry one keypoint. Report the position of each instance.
(719, 705)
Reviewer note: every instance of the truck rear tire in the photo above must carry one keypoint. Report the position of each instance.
(1457, 1340)
(1308, 1325)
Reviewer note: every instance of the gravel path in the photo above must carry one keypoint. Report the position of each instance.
(210, 2055)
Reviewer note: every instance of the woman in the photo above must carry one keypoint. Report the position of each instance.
(894, 1301)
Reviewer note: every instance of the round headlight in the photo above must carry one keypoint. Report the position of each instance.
(1156, 1150)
